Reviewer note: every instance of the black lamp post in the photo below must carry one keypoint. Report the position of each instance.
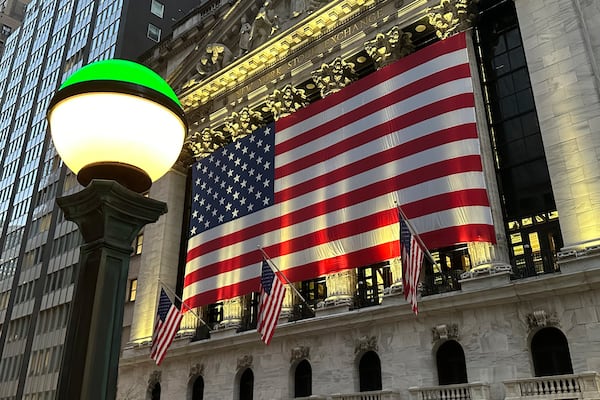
(119, 127)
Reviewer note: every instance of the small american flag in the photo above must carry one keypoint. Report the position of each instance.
(165, 327)
(412, 260)
(272, 293)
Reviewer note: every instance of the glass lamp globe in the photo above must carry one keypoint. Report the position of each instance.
(119, 120)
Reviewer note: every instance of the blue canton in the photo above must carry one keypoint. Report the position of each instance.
(234, 181)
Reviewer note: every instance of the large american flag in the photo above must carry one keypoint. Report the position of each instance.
(412, 261)
(166, 326)
(317, 190)
(272, 293)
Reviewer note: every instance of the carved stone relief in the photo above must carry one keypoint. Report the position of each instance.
(389, 47)
(196, 370)
(444, 332)
(334, 76)
(244, 362)
(452, 16)
(265, 24)
(155, 377)
(541, 319)
(286, 101)
(299, 353)
(366, 343)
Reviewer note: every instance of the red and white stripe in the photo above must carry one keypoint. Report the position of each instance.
(269, 310)
(404, 134)
(164, 333)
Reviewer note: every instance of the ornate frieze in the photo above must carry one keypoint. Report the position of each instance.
(299, 353)
(365, 343)
(334, 76)
(320, 28)
(388, 47)
(244, 362)
(286, 101)
(444, 332)
(452, 16)
(541, 319)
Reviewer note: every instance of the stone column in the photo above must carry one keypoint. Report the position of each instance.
(563, 68)
(341, 287)
(160, 255)
(396, 269)
(486, 258)
(232, 312)
(288, 301)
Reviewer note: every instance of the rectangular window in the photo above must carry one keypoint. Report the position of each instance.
(157, 8)
(132, 290)
(153, 33)
(139, 242)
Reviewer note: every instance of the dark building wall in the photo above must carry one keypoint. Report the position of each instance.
(137, 16)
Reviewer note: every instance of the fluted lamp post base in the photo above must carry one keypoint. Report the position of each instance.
(109, 217)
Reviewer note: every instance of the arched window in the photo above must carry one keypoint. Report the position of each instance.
(155, 393)
(198, 389)
(303, 379)
(550, 353)
(369, 371)
(247, 385)
(451, 364)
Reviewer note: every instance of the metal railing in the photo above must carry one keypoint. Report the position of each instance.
(533, 264)
(462, 391)
(583, 386)
(441, 282)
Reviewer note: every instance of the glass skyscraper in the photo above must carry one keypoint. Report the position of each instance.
(38, 248)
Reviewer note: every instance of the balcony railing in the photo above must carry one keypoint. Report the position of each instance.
(374, 395)
(582, 386)
(533, 264)
(465, 391)
(441, 282)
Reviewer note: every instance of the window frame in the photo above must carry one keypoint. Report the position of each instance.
(158, 32)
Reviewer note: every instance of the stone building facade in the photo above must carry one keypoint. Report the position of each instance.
(514, 320)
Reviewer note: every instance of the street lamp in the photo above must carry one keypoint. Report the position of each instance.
(119, 127)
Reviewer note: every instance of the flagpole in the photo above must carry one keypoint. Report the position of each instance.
(286, 279)
(415, 234)
(183, 303)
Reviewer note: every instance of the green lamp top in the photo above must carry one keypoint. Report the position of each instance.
(122, 71)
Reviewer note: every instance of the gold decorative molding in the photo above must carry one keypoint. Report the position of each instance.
(285, 101)
(242, 123)
(452, 16)
(205, 141)
(334, 76)
(389, 47)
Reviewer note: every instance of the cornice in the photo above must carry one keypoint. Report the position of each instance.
(274, 58)
(393, 309)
